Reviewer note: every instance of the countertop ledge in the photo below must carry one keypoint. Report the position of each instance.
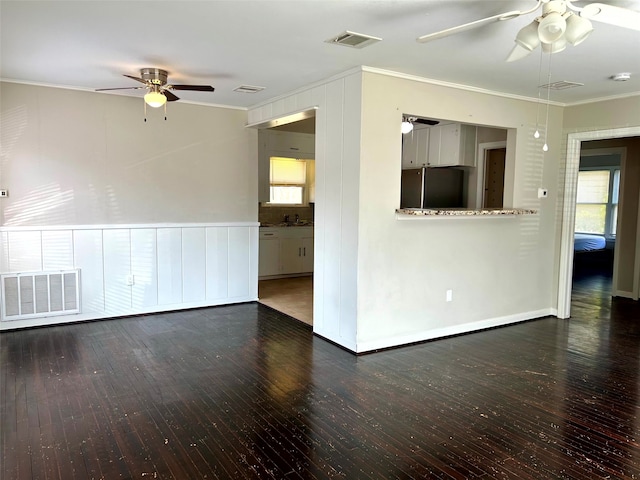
(405, 213)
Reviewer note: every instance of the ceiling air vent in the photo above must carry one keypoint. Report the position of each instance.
(352, 39)
(561, 85)
(248, 89)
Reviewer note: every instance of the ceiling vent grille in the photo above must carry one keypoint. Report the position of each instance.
(561, 85)
(354, 40)
(248, 89)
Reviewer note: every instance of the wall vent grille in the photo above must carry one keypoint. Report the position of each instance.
(39, 294)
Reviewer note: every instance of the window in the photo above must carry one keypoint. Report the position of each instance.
(287, 180)
(597, 202)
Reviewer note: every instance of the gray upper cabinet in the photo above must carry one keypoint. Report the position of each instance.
(452, 145)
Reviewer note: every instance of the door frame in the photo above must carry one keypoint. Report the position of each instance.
(570, 190)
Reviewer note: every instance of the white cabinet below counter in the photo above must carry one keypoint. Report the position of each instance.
(285, 251)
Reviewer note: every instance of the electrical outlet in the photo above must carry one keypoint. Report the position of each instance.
(4, 193)
(449, 295)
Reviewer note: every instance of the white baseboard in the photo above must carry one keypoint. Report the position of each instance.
(624, 294)
(369, 346)
(82, 317)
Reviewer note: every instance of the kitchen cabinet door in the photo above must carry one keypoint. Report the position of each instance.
(290, 255)
(296, 145)
(415, 148)
(452, 145)
(268, 255)
(307, 255)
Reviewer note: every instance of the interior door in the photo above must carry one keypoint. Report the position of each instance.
(494, 178)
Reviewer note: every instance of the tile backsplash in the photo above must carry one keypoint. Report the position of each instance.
(276, 214)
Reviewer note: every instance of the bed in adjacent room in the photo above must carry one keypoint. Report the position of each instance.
(591, 254)
(585, 242)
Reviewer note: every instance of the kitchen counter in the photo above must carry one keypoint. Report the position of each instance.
(407, 213)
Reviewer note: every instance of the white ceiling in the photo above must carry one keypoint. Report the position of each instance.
(279, 44)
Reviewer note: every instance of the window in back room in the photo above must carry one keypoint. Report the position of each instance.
(597, 200)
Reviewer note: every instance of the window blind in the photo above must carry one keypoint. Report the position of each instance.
(287, 171)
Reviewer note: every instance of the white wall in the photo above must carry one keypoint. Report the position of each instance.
(596, 120)
(83, 158)
(172, 266)
(501, 270)
(92, 186)
(338, 119)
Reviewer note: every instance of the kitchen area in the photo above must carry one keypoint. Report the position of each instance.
(286, 211)
(444, 165)
(448, 165)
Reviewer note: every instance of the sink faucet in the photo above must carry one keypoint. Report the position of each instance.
(297, 218)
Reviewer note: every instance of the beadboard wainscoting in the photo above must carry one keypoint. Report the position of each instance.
(134, 269)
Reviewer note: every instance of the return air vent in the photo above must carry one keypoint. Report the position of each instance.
(39, 294)
(561, 85)
(354, 40)
(248, 89)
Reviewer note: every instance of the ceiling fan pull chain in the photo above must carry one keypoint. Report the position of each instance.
(145, 111)
(545, 147)
(165, 112)
(536, 134)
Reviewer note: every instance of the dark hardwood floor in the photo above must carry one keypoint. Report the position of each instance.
(245, 392)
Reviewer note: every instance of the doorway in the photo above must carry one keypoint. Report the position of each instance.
(290, 290)
(494, 166)
(489, 180)
(565, 282)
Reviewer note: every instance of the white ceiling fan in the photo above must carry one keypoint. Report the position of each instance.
(560, 23)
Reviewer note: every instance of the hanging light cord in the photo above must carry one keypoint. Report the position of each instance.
(545, 147)
(536, 134)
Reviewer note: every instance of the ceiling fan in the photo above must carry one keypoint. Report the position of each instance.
(158, 90)
(409, 121)
(560, 23)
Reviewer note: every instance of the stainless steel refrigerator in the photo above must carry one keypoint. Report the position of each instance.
(432, 188)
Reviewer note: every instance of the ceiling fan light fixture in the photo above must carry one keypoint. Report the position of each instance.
(407, 125)
(552, 27)
(528, 36)
(578, 29)
(155, 99)
(555, 47)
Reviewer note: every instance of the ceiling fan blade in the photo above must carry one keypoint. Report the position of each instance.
(121, 88)
(141, 80)
(170, 96)
(198, 88)
(426, 121)
(478, 23)
(468, 26)
(620, 17)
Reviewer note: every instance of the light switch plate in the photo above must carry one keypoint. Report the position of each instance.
(542, 193)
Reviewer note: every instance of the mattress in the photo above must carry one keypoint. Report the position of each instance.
(584, 242)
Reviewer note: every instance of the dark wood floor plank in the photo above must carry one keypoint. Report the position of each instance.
(242, 391)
